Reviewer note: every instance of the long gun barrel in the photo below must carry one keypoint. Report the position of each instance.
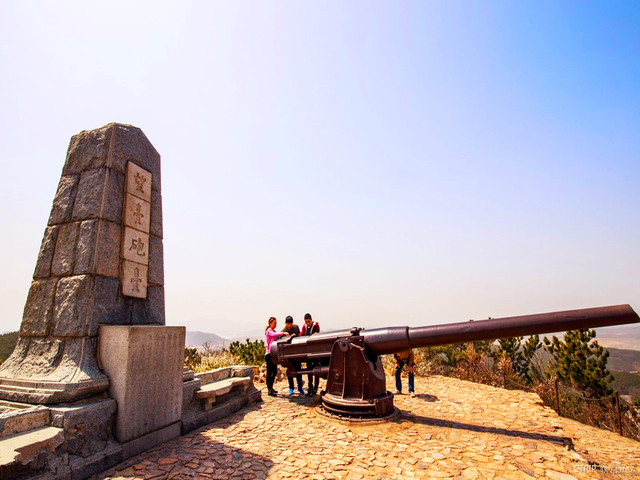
(390, 340)
(349, 359)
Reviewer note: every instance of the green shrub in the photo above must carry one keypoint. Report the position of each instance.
(248, 353)
(192, 358)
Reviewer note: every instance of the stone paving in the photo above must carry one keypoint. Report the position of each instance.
(452, 429)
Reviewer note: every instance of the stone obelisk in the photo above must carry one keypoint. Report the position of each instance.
(101, 263)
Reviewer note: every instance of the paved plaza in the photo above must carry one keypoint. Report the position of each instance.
(451, 429)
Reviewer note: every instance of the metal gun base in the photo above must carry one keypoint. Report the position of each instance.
(375, 409)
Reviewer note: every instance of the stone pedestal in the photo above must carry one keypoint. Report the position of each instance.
(145, 366)
(93, 268)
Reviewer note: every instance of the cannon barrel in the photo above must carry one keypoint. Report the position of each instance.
(382, 341)
(396, 339)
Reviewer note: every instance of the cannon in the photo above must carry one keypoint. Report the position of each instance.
(350, 359)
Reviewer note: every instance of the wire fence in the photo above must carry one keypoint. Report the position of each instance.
(610, 412)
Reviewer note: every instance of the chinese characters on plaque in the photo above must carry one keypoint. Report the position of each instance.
(135, 244)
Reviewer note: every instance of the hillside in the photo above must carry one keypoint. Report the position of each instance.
(627, 384)
(624, 360)
(7, 343)
(197, 339)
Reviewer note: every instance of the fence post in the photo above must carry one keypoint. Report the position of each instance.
(555, 383)
(619, 417)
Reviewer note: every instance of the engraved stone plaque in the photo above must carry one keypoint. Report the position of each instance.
(135, 238)
(137, 213)
(136, 246)
(134, 279)
(138, 182)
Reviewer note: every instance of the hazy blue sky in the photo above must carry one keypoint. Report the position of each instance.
(373, 163)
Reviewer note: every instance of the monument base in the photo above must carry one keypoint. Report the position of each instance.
(71, 372)
(145, 366)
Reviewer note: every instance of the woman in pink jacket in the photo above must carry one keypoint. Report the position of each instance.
(272, 369)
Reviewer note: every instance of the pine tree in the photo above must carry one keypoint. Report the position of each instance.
(521, 356)
(580, 362)
(529, 349)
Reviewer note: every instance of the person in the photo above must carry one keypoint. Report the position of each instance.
(402, 359)
(272, 369)
(293, 330)
(309, 328)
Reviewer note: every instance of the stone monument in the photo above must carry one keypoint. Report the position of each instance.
(101, 263)
(96, 377)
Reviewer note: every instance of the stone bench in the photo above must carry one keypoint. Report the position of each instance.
(209, 393)
(215, 394)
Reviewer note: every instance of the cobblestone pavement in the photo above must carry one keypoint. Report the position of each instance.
(451, 429)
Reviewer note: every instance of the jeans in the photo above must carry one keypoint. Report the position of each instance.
(272, 371)
(314, 381)
(398, 377)
(298, 377)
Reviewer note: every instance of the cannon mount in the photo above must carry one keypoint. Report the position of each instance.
(350, 359)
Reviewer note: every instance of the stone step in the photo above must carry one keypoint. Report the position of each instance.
(19, 449)
(209, 393)
(20, 417)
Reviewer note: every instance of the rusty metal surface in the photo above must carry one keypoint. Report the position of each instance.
(385, 341)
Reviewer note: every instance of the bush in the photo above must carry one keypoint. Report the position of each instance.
(192, 358)
(248, 353)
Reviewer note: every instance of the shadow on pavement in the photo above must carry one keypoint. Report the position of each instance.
(436, 422)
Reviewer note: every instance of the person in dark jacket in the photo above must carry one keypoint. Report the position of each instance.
(293, 330)
(309, 328)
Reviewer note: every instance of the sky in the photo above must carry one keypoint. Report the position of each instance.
(371, 163)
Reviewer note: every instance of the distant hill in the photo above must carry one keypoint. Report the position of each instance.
(623, 360)
(627, 383)
(7, 344)
(197, 339)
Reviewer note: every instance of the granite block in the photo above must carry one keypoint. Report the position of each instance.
(38, 311)
(131, 145)
(156, 215)
(109, 307)
(112, 200)
(99, 195)
(149, 311)
(71, 315)
(87, 427)
(156, 261)
(88, 150)
(64, 253)
(88, 203)
(63, 202)
(45, 256)
(146, 402)
(107, 253)
(86, 247)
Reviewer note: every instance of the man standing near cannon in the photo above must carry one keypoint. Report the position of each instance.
(293, 330)
(402, 359)
(309, 328)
